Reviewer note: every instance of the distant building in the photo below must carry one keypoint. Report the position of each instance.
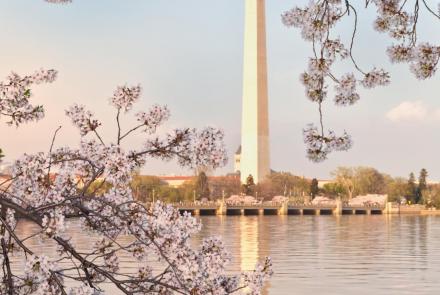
(175, 181)
(322, 182)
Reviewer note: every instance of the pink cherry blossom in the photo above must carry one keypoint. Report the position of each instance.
(346, 91)
(124, 97)
(16, 93)
(47, 187)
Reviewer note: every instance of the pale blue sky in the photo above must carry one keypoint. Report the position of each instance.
(188, 55)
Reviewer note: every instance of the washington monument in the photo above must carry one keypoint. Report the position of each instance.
(254, 158)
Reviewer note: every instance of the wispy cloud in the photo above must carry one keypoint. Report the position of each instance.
(413, 111)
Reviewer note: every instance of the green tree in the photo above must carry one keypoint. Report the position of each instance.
(361, 180)
(422, 186)
(249, 187)
(282, 184)
(1, 155)
(369, 181)
(168, 194)
(431, 195)
(346, 177)
(314, 188)
(187, 190)
(396, 189)
(99, 187)
(230, 185)
(202, 186)
(411, 189)
(333, 189)
(143, 187)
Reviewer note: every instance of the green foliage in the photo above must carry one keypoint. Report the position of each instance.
(230, 185)
(422, 186)
(1, 155)
(346, 178)
(143, 187)
(249, 187)
(99, 187)
(396, 189)
(411, 195)
(354, 181)
(250, 180)
(422, 179)
(146, 188)
(360, 180)
(314, 188)
(369, 181)
(431, 196)
(169, 194)
(283, 184)
(333, 190)
(187, 190)
(202, 186)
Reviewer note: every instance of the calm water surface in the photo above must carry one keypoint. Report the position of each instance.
(325, 254)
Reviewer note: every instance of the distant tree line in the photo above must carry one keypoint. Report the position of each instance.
(354, 181)
(277, 184)
(348, 182)
(202, 187)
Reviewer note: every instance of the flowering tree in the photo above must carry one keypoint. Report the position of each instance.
(15, 95)
(318, 21)
(45, 188)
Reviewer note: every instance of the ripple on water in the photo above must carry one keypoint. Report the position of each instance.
(320, 254)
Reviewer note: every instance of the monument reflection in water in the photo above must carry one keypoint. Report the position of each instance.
(353, 254)
(248, 243)
(382, 254)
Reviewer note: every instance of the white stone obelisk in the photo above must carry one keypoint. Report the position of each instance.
(254, 159)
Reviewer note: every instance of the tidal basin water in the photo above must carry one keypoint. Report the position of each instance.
(325, 254)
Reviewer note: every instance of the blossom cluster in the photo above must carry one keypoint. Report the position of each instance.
(193, 148)
(39, 271)
(124, 97)
(82, 290)
(54, 223)
(401, 25)
(15, 95)
(82, 119)
(315, 19)
(47, 187)
(425, 61)
(376, 77)
(346, 91)
(319, 145)
(317, 22)
(314, 78)
(153, 118)
(392, 19)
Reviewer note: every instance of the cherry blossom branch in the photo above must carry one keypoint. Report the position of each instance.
(431, 10)
(15, 95)
(8, 267)
(317, 22)
(47, 199)
(119, 126)
(131, 130)
(50, 151)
